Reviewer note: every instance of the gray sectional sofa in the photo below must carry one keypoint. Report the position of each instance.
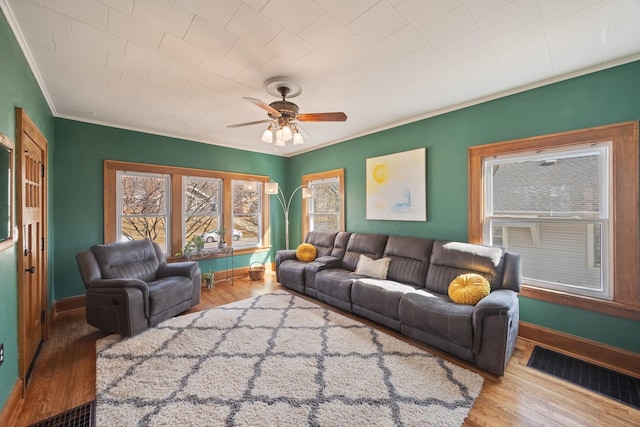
(413, 298)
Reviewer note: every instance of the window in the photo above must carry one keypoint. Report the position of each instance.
(247, 212)
(171, 205)
(546, 205)
(202, 201)
(325, 211)
(143, 207)
(577, 232)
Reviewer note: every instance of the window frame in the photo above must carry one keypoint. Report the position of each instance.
(319, 176)
(185, 180)
(535, 221)
(624, 196)
(111, 167)
(167, 202)
(261, 226)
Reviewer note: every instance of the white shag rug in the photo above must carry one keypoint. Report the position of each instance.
(275, 359)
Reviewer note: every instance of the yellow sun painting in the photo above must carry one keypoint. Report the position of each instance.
(396, 186)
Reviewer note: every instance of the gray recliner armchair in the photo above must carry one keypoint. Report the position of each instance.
(131, 287)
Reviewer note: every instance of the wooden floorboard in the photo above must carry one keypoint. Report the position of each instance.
(64, 376)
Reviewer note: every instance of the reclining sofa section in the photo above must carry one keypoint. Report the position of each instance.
(413, 299)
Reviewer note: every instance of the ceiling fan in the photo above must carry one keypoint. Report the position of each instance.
(284, 115)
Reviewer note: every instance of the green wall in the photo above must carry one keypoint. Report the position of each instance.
(18, 88)
(80, 151)
(601, 98)
(76, 161)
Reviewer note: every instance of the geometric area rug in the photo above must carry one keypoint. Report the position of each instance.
(275, 359)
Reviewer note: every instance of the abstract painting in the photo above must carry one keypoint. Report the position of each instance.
(396, 186)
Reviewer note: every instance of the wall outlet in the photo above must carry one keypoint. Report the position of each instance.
(1, 353)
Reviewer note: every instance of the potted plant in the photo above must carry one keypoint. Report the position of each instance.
(195, 245)
(220, 232)
(209, 278)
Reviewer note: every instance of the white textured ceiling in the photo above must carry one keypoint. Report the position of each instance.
(180, 68)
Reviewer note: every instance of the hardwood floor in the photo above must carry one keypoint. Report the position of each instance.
(64, 377)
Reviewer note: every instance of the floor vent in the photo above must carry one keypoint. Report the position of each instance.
(81, 416)
(615, 385)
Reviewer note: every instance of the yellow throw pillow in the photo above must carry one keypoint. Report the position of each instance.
(306, 252)
(469, 288)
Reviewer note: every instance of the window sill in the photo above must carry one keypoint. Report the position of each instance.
(611, 308)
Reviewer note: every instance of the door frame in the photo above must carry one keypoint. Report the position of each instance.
(25, 125)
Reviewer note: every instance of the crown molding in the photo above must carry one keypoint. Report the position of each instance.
(17, 32)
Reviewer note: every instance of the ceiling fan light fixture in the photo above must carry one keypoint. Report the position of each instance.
(267, 136)
(297, 139)
(284, 133)
(279, 142)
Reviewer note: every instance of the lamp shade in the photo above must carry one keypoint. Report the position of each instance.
(280, 143)
(284, 133)
(267, 136)
(271, 187)
(308, 193)
(297, 139)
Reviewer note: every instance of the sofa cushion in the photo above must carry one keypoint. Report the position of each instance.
(167, 292)
(409, 259)
(451, 259)
(306, 252)
(376, 268)
(292, 271)
(469, 288)
(380, 296)
(433, 312)
(371, 245)
(336, 283)
(323, 241)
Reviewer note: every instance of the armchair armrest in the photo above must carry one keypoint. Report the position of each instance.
(186, 269)
(108, 285)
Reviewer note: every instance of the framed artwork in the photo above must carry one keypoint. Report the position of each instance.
(396, 186)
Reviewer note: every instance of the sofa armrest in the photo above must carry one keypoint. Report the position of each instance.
(495, 329)
(285, 254)
(282, 256)
(108, 285)
(325, 262)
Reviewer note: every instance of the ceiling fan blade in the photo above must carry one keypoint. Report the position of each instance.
(250, 123)
(264, 106)
(322, 117)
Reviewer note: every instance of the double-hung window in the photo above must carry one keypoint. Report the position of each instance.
(552, 207)
(202, 203)
(144, 207)
(568, 204)
(247, 213)
(325, 210)
(324, 207)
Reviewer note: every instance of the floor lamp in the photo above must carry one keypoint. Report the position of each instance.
(272, 188)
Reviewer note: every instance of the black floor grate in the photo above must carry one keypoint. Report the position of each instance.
(609, 383)
(81, 416)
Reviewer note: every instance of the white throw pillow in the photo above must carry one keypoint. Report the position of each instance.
(373, 268)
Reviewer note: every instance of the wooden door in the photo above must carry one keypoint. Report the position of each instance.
(32, 258)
